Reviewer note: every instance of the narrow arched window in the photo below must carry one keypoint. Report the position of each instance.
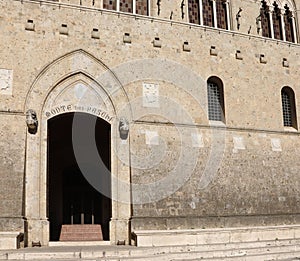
(215, 99)
(276, 16)
(142, 7)
(109, 4)
(208, 13)
(221, 14)
(265, 20)
(126, 6)
(288, 23)
(194, 12)
(288, 107)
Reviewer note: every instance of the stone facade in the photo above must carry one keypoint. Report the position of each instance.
(176, 169)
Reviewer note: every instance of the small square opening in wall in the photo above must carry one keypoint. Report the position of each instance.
(213, 51)
(157, 42)
(238, 55)
(95, 33)
(127, 38)
(262, 58)
(64, 29)
(186, 47)
(30, 26)
(285, 63)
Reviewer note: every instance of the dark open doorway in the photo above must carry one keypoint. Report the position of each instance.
(71, 198)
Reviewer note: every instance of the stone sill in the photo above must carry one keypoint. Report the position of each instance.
(156, 19)
(290, 129)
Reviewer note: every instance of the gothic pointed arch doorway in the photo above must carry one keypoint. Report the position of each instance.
(72, 198)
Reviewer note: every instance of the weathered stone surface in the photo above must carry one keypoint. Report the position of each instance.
(175, 170)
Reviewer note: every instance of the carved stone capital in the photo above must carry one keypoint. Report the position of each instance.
(270, 9)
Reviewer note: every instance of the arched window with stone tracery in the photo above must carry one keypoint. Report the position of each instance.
(278, 20)
(213, 13)
(265, 20)
(276, 17)
(288, 23)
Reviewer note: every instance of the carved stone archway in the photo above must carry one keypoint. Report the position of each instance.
(75, 82)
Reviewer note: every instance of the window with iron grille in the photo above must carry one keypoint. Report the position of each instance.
(288, 25)
(194, 15)
(215, 101)
(208, 14)
(141, 6)
(109, 4)
(288, 107)
(221, 14)
(277, 23)
(265, 20)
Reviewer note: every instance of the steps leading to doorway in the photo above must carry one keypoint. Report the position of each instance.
(285, 250)
(255, 244)
(81, 233)
(78, 243)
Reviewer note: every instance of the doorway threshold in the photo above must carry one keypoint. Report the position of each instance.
(78, 243)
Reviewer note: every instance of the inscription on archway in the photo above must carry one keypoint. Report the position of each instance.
(59, 109)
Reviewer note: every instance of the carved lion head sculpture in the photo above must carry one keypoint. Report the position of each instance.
(123, 128)
(31, 121)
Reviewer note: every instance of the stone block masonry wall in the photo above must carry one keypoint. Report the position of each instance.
(253, 183)
(256, 181)
(12, 157)
(174, 10)
(247, 82)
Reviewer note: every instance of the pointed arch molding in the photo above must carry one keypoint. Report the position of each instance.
(282, 3)
(77, 66)
(85, 84)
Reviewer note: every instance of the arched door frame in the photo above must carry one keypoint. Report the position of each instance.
(54, 92)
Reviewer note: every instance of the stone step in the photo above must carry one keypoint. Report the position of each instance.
(242, 251)
(148, 238)
(81, 233)
(255, 254)
(280, 256)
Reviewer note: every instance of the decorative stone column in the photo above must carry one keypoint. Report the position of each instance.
(294, 28)
(118, 6)
(149, 7)
(215, 13)
(270, 12)
(36, 223)
(281, 12)
(134, 6)
(201, 12)
(226, 2)
(121, 188)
